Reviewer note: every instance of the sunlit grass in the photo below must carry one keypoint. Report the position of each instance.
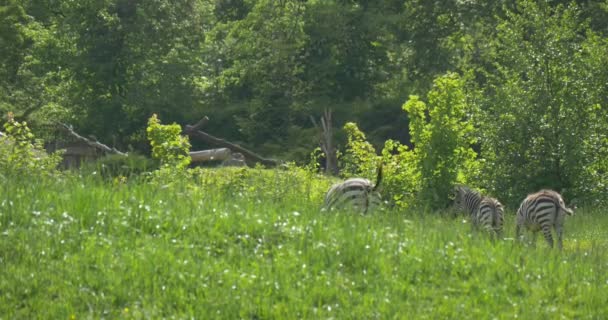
(250, 244)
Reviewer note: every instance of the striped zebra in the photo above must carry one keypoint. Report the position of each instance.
(543, 210)
(356, 194)
(490, 216)
(486, 213)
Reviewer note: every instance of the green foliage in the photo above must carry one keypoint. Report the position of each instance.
(443, 156)
(443, 141)
(534, 72)
(21, 155)
(360, 156)
(315, 158)
(401, 176)
(168, 145)
(111, 166)
(542, 121)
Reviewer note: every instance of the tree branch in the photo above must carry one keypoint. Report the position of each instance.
(250, 155)
(95, 144)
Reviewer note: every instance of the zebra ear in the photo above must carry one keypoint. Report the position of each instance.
(452, 195)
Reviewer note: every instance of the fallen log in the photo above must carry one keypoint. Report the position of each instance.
(236, 160)
(193, 130)
(220, 154)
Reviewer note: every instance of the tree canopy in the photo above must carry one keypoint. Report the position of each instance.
(532, 78)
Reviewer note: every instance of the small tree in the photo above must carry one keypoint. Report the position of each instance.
(168, 145)
(360, 156)
(442, 137)
(21, 155)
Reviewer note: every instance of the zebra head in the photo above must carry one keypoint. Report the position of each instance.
(458, 197)
(466, 199)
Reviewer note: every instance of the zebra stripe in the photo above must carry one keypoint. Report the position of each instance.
(542, 211)
(485, 212)
(466, 200)
(356, 194)
(490, 216)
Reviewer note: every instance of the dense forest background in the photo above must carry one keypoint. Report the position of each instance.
(532, 75)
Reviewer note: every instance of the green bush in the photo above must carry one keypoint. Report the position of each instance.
(360, 158)
(168, 145)
(442, 155)
(21, 155)
(442, 140)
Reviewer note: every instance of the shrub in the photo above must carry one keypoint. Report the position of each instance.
(442, 140)
(168, 145)
(360, 156)
(21, 155)
(442, 154)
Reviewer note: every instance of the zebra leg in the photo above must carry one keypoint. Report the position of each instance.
(473, 222)
(559, 230)
(518, 232)
(497, 233)
(533, 240)
(548, 236)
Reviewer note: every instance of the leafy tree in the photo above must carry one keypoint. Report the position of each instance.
(442, 138)
(21, 155)
(359, 157)
(132, 59)
(31, 53)
(442, 153)
(535, 97)
(168, 145)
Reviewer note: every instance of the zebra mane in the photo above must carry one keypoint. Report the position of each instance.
(463, 188)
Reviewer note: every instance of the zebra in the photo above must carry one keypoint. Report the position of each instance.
(490, 216)
(543, 210)
(467, 200)
(355, 193)
(486, 213)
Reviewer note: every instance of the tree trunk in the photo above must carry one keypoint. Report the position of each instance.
(326, 143)
(220, 154)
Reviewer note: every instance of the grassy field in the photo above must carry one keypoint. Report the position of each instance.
(253, 244)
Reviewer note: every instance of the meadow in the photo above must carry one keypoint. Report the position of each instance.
(254, 244)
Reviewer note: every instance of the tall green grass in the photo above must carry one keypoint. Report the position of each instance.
(254, 244)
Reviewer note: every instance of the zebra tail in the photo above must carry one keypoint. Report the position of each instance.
(378, 177)
(496, 216)
(561, 205)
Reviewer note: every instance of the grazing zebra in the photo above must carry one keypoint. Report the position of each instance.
(490, 216)
(486, 213)
(355, 193)
(466, 200)
(543, 210)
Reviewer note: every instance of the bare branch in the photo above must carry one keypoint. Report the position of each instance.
(250, 155)
(95, 144)
(201, 123)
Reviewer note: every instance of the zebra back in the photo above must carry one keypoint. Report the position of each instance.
(543, 210)
(490, 215)
(355, 193)
(537, 207)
